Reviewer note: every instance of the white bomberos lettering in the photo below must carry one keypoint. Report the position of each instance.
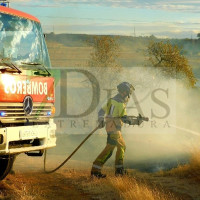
(22, 87)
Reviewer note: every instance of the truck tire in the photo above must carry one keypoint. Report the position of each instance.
(6, 163)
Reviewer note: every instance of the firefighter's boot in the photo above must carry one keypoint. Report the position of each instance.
(98, 174)
(120, 172)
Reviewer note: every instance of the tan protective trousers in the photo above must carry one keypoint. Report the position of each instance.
(114, 139)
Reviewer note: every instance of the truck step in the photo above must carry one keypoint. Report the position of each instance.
(40, 153)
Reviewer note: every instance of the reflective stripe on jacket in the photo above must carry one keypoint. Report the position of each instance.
(114, 110)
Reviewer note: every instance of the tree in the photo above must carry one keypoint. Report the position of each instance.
(198, 35)
(104, 59)
(168, 58)
(106, 52)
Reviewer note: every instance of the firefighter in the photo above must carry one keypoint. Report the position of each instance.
(115, 111)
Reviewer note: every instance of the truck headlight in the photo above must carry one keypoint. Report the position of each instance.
(2, 114)
(49, 113)
(52, 112)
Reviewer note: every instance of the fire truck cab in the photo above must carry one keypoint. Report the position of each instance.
(26, 89)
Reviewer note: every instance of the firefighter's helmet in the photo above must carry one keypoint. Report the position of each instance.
(125, 87)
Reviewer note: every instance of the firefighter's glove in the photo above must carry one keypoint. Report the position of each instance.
(101, 122)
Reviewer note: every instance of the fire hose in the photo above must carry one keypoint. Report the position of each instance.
(89, 135)
(45, 153)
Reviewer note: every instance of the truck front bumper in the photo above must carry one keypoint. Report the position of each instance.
(19, 139)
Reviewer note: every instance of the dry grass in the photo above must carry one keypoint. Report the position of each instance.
(20, 188)
(126, 188)
(74, 182)
(4, 194)
(26, 193)
(130, 188)
(191, 170)
(79, 185)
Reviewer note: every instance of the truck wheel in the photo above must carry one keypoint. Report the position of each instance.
(6, 163)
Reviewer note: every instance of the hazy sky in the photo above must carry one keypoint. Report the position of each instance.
(163, 18)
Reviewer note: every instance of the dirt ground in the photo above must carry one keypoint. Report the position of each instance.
(73, 181)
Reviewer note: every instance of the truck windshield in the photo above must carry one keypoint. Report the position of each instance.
(22, 42)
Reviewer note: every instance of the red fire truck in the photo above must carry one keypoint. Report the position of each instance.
(26, 89)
